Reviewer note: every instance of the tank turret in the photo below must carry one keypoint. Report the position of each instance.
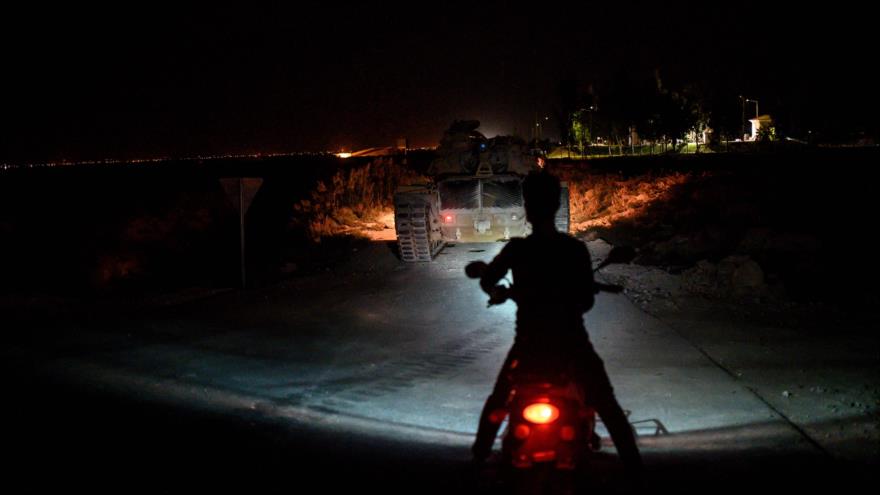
(465, 151)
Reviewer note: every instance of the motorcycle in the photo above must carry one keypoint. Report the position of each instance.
(550, 424)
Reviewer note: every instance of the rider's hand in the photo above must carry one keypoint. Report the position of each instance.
(498, 295)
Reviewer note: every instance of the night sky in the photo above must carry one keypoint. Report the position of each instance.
(138, 82)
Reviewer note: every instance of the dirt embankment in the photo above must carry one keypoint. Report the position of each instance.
(354, 201)
(96, 230)
(764, 229)
(759, 227)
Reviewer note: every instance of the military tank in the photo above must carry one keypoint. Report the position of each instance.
(475, 194)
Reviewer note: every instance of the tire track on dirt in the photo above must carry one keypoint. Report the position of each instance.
(396, 375)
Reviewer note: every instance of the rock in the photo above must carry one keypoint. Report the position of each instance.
(590, 236)
(599, 248)
(701, 279)
(747, 278)
(738, 276)
(683, 248)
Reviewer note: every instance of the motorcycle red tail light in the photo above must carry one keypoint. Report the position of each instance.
(547, 455)
(521, 432)
(541, 413)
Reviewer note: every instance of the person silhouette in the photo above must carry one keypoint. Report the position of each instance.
(553, 288)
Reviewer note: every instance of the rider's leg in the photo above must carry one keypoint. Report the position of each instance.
(621, 432)
(601, 396)
(490, 422)
(490, 419)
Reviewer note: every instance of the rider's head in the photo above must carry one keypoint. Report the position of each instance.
(541, 194)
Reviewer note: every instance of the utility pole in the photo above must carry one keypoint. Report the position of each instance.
(537, 129)
(756, 107)
(592, 107)
(748, 100)
(757, 114)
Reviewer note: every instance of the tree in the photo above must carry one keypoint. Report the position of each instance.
(674, 113)
(723, 114)
(572, 97)
(580, 129)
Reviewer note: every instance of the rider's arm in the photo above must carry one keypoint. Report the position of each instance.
(587, 296)
(498, 267)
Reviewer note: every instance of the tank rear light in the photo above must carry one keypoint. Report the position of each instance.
(541, 413)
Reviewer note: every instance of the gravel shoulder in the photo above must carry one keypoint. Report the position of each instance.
(816, 366)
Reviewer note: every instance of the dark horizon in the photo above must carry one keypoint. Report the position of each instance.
(99, 83)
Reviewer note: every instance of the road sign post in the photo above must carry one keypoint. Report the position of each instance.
(241, 191)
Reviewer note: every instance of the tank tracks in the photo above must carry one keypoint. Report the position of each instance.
(563, 216)
(417, 222)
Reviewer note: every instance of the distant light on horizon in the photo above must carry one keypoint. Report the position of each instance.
(490, 131)
(344, 154)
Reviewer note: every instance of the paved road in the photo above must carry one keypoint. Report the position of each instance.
(404, 353)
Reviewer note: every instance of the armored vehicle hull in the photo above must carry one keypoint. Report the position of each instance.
(475, 196)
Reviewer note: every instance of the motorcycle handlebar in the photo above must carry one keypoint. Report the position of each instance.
(502, 293)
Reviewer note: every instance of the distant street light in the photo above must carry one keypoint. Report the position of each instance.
(744, 101)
